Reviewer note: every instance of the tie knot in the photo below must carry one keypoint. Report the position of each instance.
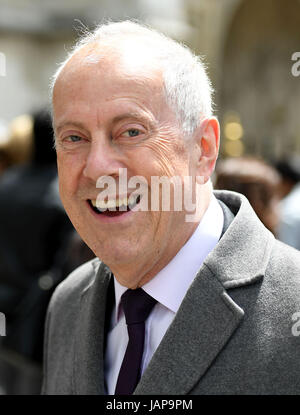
(137, 305)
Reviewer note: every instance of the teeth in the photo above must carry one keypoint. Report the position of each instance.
(113, 204)
(123, 202)
(133, 200)
(102, 204)
(110, 204)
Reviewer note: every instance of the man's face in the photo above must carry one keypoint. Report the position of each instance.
(108, 116)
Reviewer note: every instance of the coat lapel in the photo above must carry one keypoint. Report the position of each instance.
(90, 336)
(208, 317)
(202, 326)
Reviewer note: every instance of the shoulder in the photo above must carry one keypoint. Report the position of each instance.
(61, 328)
(277, 298)
(285, 263)
(70, 289)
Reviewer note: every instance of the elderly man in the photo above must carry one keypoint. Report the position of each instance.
(176, 303)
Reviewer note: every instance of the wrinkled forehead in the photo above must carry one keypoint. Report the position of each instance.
(120, 59)
(104, 78)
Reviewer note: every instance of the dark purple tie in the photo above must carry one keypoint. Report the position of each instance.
(137, 305)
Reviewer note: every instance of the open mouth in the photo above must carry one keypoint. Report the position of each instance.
(114, 207)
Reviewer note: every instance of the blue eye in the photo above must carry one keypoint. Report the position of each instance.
(74, 138)
(132, 132)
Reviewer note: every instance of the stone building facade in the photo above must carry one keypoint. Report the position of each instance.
(247, 44)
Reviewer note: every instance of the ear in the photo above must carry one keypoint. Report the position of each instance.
(207, 138)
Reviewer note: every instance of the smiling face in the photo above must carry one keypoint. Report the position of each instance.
(110, 116)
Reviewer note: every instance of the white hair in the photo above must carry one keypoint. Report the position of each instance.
(187, 87)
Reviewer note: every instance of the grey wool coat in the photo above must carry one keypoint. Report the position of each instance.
(234, 332)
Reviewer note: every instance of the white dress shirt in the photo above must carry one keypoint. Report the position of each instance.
(168, 287)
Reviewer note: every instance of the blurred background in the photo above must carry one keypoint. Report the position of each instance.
(248, 47)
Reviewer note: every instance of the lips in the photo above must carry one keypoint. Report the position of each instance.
(114, 207)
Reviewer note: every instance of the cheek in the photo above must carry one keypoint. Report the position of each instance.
(67, 188)
(64, 175)
(69, 171)
(163, 155)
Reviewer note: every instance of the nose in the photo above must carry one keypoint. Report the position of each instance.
(102, 160)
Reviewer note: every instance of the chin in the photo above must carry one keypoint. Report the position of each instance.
(118, 256)
(128, 283)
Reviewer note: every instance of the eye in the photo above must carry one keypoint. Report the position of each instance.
(73, 138)
(132, 132)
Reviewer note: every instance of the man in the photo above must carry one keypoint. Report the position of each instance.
(221, 293)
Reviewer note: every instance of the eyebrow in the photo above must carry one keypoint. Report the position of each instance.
(116, 119)
(77, 124)
(129, 115)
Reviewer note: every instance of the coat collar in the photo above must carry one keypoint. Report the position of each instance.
(243, 253)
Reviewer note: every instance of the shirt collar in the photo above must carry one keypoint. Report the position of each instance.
(171, 283)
